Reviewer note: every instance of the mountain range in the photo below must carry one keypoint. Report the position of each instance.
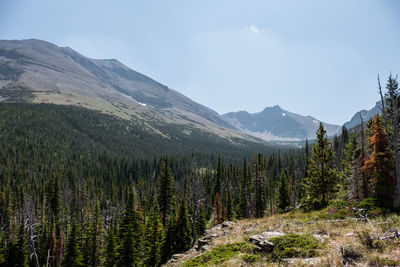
(40, 72)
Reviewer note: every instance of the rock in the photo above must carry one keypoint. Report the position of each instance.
(261, 242)
(205, 241)
(303, 261)
(227, 224)
(271, 234)
(205, 247)
(349, 234)
(176, 256)
(320, 237)
(249, 230)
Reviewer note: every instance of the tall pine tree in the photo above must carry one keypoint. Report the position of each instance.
(321, 182)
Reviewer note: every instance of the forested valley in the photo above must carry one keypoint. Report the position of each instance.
(81, 188)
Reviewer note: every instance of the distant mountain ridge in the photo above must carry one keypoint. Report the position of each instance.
(41, 72)
(275, 124)
(365, 114)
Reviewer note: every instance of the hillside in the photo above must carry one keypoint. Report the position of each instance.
(40, 72)
(100, 132)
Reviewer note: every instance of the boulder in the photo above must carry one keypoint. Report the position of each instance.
(271, 234)
(261, 242)
(227, 224)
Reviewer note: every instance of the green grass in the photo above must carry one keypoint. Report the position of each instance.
(219, 254)
(294, 245)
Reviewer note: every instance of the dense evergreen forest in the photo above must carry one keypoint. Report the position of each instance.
(80, 188)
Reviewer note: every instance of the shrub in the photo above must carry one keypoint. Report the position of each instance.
(370, 242)
(350, 254)
(294, 245)
(219, 254)
(250, 258)
(370, 205)
(377, 261)
(338, 209)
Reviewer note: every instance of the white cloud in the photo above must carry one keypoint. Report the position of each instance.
(253, 29)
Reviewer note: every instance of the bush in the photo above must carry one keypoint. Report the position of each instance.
(338, 209)
(370, 242)
(369, 204)
(250, 258)
(377, 261)
(219, 254)
(294, 245)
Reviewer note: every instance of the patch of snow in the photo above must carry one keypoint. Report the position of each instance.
(267, 136)
(143, 104)
(283, 114)
(315, 121)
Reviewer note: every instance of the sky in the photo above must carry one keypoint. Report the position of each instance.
(312, 57)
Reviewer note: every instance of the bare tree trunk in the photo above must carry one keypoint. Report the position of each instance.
(383, 106)
(29, 226)
(396, 150)
(363, 177)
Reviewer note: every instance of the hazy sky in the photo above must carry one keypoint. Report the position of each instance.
(318, 58)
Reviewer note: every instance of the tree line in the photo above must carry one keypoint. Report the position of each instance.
(64, 202)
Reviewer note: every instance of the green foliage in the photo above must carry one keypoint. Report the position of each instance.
(338, 209)
(130, 234)
(154, 239)
(283, 197)
(182, 229)
(250, 258)
(73, 255)
(370, 242)
(369, 204)
(218, 255)
(294, 245)
(378, 261)
(165, 190)
(245, 190)
(322, 179)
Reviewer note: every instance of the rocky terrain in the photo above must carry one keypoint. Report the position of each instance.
(352, 241)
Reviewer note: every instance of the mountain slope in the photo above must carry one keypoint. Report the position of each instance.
(40, 72)
(365, 114)
(275, 123)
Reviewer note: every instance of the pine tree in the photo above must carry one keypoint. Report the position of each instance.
(154, 239)
(111, 256)
(379, 166)
(201, 222)
(92, 242)
(259, 182)
(169, 247)
(229, 208)
(244, 197)
(183, 229)
(165, 191)
(219, 174)
(283, 198)
(321, 182)
(73, 256)
(218, 214)
(130, 250)
(16, 253)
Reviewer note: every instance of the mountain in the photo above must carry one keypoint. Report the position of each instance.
(277, 124)
(36, 71)
(365, 114)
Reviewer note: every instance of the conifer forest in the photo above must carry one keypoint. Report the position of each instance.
(82, 188)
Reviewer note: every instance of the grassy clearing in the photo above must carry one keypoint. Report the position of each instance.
(330, 238)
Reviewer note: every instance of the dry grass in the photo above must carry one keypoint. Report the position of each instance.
(333, 234)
